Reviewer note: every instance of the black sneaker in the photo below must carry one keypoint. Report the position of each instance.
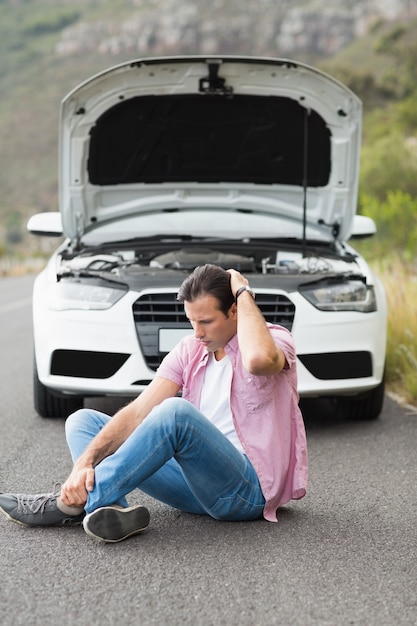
(113, 523)
(36, 510)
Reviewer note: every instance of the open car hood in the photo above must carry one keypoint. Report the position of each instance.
(245, 135)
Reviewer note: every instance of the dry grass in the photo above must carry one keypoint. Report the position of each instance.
(18, 266)
(400, 282)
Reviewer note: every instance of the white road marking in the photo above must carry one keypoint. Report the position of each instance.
(12, 306)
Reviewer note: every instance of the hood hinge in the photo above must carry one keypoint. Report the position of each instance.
(335, 228)
(79, 221)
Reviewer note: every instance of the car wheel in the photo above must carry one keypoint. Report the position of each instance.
(49, 405)
(365, 406)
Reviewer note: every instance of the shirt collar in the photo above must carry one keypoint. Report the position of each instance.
(232, 346)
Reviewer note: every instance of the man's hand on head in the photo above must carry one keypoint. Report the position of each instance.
(237, 280)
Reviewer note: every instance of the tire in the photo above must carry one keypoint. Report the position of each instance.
(50, 405)
(364, 407)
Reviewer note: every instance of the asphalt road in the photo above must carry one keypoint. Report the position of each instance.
(344, 555)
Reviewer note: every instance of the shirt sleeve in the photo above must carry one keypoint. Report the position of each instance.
(171, 365)
(284, 340)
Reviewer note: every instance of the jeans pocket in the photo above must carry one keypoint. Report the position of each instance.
(236, 509)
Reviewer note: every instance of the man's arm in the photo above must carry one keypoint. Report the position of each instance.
(260, 355)
(75, 490)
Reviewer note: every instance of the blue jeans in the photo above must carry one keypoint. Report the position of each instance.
(177, 456)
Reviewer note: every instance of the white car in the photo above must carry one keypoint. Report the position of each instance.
(170, 163)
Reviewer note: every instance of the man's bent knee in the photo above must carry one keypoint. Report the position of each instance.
(85, 420)
(76, 418)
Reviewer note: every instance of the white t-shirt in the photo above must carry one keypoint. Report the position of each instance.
(215, 397)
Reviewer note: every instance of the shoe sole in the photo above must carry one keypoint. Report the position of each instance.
(111, 524)
(12, 519)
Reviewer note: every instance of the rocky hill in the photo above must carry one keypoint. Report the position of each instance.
(265, 27)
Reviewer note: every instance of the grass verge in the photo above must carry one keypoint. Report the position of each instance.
(400, 280)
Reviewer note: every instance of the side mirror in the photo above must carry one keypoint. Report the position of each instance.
(363, 227)
(46, 224)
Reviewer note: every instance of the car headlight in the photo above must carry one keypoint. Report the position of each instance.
(66, 295)
(350, 295)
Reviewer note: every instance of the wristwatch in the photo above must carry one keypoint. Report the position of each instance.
(242, 289)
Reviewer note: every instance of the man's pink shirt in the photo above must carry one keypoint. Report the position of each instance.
(265, 412)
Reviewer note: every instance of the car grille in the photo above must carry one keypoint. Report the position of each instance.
(276, 308)
(154, 311)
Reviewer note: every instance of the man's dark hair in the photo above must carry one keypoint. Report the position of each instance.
(208, 280)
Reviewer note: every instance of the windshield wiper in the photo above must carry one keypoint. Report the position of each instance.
(143, 242)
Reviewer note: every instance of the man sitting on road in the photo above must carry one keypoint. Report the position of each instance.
(232, 447)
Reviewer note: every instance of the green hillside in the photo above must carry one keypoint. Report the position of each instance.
(381, 68)
(33, 81)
